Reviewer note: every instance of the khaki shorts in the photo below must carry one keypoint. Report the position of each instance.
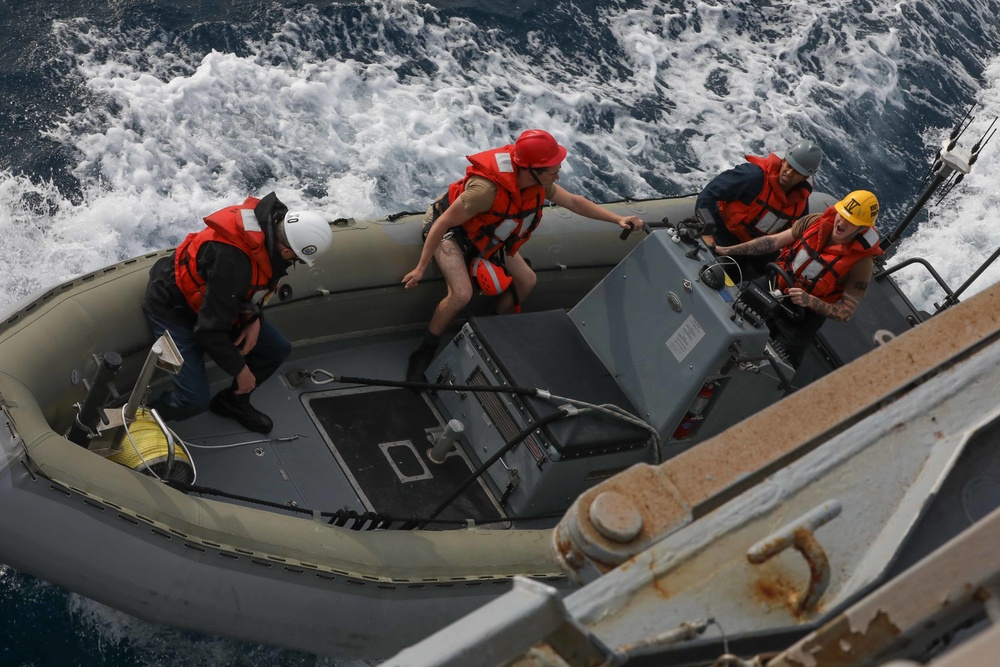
(456, 234)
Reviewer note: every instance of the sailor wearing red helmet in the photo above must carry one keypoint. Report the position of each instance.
(487, 216)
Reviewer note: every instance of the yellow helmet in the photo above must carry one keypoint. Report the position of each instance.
(859, 208)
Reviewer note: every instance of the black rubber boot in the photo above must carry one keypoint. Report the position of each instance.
(419, 361)
(237, 406)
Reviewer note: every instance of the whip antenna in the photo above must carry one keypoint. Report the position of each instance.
(949, 168)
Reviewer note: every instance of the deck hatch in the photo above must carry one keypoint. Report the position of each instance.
(379, 438)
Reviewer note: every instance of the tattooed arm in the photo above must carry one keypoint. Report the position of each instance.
(761, 246)
(855, 286)
(841, 311)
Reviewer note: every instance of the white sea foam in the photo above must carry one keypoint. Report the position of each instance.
(962, 230)
(173, 135)
(180, 134)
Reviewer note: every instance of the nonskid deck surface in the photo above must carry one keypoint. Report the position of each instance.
(338, 447)
(380, 438)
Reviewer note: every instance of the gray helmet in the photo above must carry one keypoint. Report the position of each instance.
(804, 156)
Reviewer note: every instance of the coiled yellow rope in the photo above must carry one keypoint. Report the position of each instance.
(145, 445)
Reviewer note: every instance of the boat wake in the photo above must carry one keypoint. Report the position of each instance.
(368, 109)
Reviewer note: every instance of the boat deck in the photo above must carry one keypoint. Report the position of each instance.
(339, 447)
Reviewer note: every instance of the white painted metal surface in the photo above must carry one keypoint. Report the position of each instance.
(883, 471)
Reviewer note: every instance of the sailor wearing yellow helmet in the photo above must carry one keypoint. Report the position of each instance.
(828, 257)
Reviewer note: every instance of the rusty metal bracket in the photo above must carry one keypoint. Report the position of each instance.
(799, 535)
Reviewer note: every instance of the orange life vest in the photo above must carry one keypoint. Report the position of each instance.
(772, 210)
(817, 267)
(236, 226)
(506, 224)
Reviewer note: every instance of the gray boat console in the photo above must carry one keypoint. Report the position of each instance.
(667, 337)
(651, 338)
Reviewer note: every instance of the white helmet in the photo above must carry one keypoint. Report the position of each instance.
(308, 234)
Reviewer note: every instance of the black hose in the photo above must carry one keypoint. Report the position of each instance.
(430, 386)
(513, 442)
(362, 520)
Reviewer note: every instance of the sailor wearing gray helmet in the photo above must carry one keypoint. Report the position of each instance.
(762, 196)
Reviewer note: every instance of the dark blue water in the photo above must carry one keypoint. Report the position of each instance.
(122, 121)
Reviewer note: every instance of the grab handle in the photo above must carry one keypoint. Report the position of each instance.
(799, 535)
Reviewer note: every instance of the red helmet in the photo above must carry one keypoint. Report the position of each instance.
(492, 279)
(537, 149)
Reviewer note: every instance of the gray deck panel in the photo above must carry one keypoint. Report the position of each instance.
(303, 470)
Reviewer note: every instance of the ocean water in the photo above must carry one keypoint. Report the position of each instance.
(124, 121)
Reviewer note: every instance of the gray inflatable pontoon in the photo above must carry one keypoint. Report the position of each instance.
(339, 533)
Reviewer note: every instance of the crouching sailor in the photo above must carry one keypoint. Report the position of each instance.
(476, 229)
(210, 294)
(829, 257)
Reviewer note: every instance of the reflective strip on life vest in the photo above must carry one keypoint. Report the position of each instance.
(810, 271)
(250, 222)
(770, 222)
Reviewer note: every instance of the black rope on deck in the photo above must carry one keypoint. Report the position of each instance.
(430, 386)
(341, 518)
(350, 519)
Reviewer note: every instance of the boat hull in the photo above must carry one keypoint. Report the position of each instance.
(99, 529)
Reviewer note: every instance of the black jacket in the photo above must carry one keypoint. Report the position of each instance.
(227, 273)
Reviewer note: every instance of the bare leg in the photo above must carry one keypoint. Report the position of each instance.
(451, 263)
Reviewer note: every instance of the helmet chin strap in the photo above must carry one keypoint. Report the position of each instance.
(534, 175)
(282, 242)
(277, 235)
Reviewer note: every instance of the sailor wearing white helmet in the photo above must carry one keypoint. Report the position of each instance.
(210, 295)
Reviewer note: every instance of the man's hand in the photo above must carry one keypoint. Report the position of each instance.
(800, 297)
(248, 337)
(412, 279)
(245, 381)
(631, 223)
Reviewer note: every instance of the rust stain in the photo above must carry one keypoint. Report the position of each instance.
(774, 591)
(563, 544)
(658, 586)
(661, 590)
(576, 559)
(649, 492)
(565, 548)
(777, 589)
